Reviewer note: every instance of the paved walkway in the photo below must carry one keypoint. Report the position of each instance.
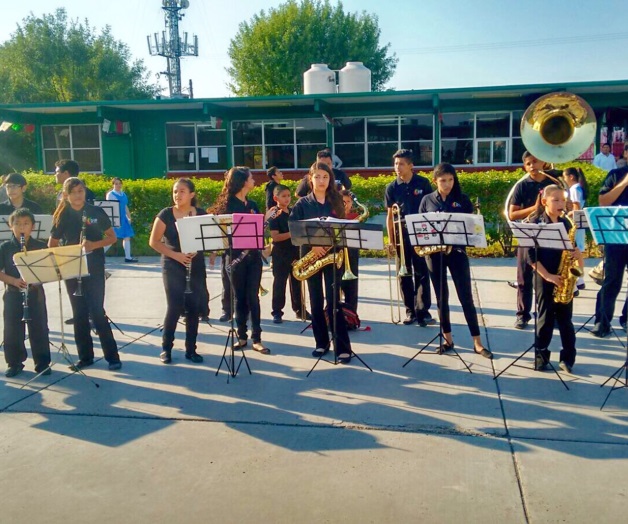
(428, 442)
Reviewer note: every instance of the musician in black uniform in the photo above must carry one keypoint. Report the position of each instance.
(614, 192)
(325, 156)
(449, 198)
(524, 201)
(74, 220)
(324, 200)
(174, 267)
(284, 254)
(407, 191)
(15, 185)
(245, 265)
(21, 222)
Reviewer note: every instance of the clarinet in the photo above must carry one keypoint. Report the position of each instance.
(79, 280)
(26, 312)
(244, 253)
(188, 274)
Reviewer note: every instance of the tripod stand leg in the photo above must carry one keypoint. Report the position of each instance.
(617, 377)
(439, 336)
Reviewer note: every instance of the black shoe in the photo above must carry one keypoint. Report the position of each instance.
(623, 325)
(564, 366)
(541, 360)
(484, 353)
(520, 323)
(410, 319)
(44, 370)
(204, 318)
(581, 286)
(13, 371)
(600, 331)
(277, 319)
(513, 285)
(344, 360)
(444, 348)
(115, 366)
(427, 321)
(81, 364)
(69, 321)
(131, 260)
(225, 317)
(166, 357)
(194, 357)
(300, 316)
(320, 352)
(576, 293)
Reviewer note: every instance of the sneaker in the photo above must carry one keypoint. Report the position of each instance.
(12, 371)
(115, 366)
(410, 319)
(224, 317)
(600, 331)
(131, 260)
(166, 356)
(539, 363)
(564, 366)
(520, 323)
(194, 357)
(81, 364)
(277, 319)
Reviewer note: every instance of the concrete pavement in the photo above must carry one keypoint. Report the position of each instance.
(428, 442)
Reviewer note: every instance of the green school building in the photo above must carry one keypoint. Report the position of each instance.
(472, 127)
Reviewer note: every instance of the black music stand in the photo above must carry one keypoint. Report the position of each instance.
(49, 265)
(550, 236)
(609, 226)
(444, 229)
(336, 233)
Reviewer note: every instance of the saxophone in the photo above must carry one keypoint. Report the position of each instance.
(309, 265)
(569, 270)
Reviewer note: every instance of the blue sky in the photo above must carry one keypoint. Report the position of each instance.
(439, 43)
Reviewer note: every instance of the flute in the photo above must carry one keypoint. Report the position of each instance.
(26, 312)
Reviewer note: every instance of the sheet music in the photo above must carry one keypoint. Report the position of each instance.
(609, 224)
(204, 232)
(41, 266)
(458, 229)
(552, 236)
(41, 228)
(112, 208)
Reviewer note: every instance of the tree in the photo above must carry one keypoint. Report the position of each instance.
(53, 59)
(271, 52)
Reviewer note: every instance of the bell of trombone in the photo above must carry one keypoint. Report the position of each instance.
(558, 127)
(348, 274)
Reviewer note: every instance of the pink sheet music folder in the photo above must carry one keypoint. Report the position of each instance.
(248, 231)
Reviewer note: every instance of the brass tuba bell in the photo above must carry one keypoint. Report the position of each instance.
(558, 127)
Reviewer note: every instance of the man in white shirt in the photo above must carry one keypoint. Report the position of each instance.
(605, 160)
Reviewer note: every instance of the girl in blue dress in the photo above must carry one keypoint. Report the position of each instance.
(125, 231)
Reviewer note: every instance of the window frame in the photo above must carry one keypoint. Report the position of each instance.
(196, 146)
(71, 147)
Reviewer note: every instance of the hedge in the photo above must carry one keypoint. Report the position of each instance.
(148, 197)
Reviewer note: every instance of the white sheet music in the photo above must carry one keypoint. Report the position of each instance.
(112, 208)
(204, 232)
(552, 236)
(458, 229)
(41, 266)
(41, 229)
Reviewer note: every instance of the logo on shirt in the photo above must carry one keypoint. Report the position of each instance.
(89, 221)
(456, 204)
(418, 192)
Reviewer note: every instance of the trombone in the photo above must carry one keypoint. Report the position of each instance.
(400, 262)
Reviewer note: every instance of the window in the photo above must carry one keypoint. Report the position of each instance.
(76, 142)
(196, 147)
(286, 144)
(371, 142)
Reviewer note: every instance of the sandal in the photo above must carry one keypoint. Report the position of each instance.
(483, 352)
(260, 348)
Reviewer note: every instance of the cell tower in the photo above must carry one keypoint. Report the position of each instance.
(172, 46)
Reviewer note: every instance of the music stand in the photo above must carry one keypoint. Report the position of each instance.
(113, 210)
(581, 222)
(550, 236)
(336, 233)
(41, 228)
(444, 229)
(49, 265)
(609, 225)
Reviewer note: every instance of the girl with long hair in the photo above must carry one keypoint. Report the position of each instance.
(164, 238)
(72, 221)
(246, 272)
(449, 198)
(324, 200)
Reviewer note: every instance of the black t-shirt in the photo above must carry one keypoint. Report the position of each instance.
(6, 208)
(612, 179)
(171, 240)
(407, 196)
(235, 205)
(8, 248)
(527, 191)
(550, 258)
(68, 229)
(284, 248)
(340, 176)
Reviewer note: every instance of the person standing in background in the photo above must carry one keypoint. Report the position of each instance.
(605, 160)
(125, 231)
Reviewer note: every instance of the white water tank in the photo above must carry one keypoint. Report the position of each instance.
(354, 78)
(319, 79)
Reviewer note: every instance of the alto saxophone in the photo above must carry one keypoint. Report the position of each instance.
(309, 265)
(569, 270)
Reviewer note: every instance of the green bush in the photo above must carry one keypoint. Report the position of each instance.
(148, 197)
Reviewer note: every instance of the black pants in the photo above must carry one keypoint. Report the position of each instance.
(415, 288)
(350, 287)
(91, 304)
(317, 305)
(525, 275)
(615, 262)
(14, 328)
(226, 287)
(458, 264)
(282, 274)
(246, 277)
(181, 303)
(550, 313)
